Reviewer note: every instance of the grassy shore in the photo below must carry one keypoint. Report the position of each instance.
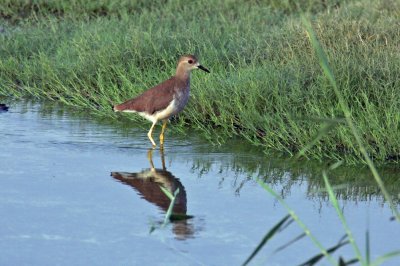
(266, 83)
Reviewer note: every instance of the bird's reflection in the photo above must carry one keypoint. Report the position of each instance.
(147, 183)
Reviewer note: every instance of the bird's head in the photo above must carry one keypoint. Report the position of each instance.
(190, 62)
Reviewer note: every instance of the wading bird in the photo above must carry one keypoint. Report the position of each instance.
(166, 99)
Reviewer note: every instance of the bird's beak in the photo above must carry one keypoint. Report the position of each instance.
(203, 68)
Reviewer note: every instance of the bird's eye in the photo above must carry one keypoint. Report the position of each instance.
(190, 61)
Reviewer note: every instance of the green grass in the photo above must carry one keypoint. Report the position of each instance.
(266, 84)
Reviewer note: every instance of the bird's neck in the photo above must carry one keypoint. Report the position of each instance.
(182, 74)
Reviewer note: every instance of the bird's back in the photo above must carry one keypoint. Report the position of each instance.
(152, 100)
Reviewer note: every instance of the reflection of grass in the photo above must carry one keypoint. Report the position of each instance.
(351, 183)
(265, 83)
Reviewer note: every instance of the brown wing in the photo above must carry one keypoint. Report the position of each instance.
(152, 100)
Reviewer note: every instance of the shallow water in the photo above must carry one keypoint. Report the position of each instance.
(60, 205)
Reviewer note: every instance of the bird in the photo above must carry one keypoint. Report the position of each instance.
(166, 99)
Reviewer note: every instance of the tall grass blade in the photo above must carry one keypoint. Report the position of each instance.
(272, 232)
(167, 193)
(335, 204)
(314, 260)
(342, 262)
(323, 60)
(171, 205)
(291, 242)
(306, 230)
(385, 257)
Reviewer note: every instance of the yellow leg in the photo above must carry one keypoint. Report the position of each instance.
(164, 126)
(151, 133)
(150, 158)
(163, 159)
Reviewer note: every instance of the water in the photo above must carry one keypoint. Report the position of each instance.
(60, 205)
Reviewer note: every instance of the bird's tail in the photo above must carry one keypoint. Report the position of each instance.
(115, 108)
